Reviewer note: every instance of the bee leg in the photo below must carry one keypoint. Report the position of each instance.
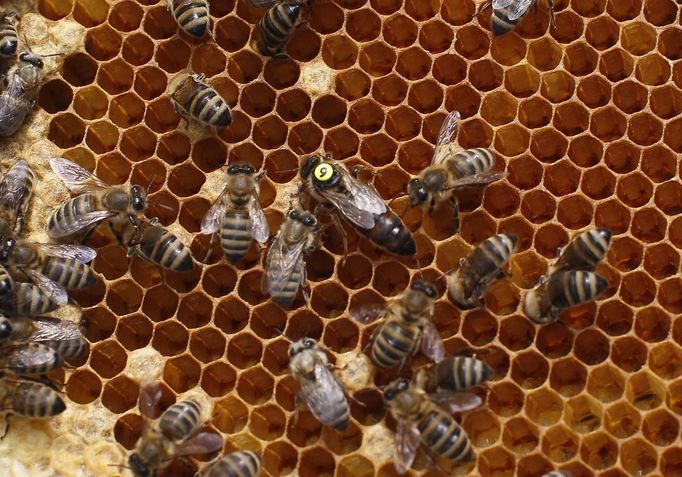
(484, 7)
(209, 252)
(455, 213)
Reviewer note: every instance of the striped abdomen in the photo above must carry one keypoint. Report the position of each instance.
(287, 294)
(395, 339)
(470, 162)
(72, 348)
(237, 464)
(586, 250)
(236, 234)
(31, 399)
(15, 109)
(63, 218)
(501, 23)
(441, 434)
(457, 374)
(27, 300)
(168, 252)
(207, 106)
(391, 234)
(491, 255)
(30, 359)
(191, 16)
(24, 175)
(276, 26)
(69, 272)
(180, 420)
(8, 35)
(568, 289)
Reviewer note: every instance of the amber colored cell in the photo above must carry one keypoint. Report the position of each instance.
(134, 332)
(83, 386)
(544, 407)
(108, 358)
(580, 59)
(638, 457)
(270, 133)
(483, 427)
(520, 435)
(616, 64)
(622, 420)
(126, 110)
(544, 54)
(403, 123)
(653, 70)
(338, 52)
(218, 379)
(279, 458)
(529, 370)
(661, 428)
(304, 46)
(159, 303)
(671, 461)
(568, 377)
(472, 42)
(666, 361)
(628, 354)
(638, 38)
(170, 338)
(561, 178)
(622, 157)
(535, 112)
(583, 414)
(666, 102)
(508, 50)
(128, 429)
(608, 124)
(120, 394)
(661, 260)
(159, 23)
(435, 36)
(630, 96)
(55, 96)
(554, 340)
(560, 443)
(449, 69)
(55, 9)
(669, 43)
(599, 450)
(111, 262)
(646, 391)
(66, 130)
(102, 137)
(602, 33)
(485, 75)
(575, 212)
(425, 96)
(638, 289)
(615, 318)
(635, 190)
(571, 119)
(538, 206)
(89, 103)
(399, 31)
(103, 43)
(230, 414)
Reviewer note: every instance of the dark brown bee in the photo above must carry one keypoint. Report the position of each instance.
(278, 24)
(191, 16)
(154, 243)
(585, 251)
(63, 336)
(28, 398)
(29, 359)
(95, 203)
(421, 421)
(329, 182)
(16, 191)
(237, 214)
(8, 35)
(453, 374)
(508, 13)
(451, 169)
(194, 98)
(237, 464)
(19, 96)
(467, 285)
(560, 291)
(172, 436)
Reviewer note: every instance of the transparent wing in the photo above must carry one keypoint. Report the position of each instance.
(349, 209)
(150, 395)
(14, 193)
(259, 224)
(406, 445)
(322, 393)
(432, 345)
(210, 224)
(364, 196)
(76, 178)
(368, 313)
(28, 355)
(502, 3)
(480, 179)
(53, 290)
(53, 329)
(14, 103)
(281, 263)
(82, 253)
(446, 136)
(456, 403)
(519, 8)
(202, 443)
(262, 3)
(78, 223)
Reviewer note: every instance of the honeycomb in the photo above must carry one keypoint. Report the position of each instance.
(584, 117)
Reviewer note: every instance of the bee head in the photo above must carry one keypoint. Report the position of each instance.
(138, 467)
(5, 248)
(425, 287)
(31, 59)
(138, 199)
(241, 168)
(301, 345)
(308, 219)
(308, 166)
(5, 328)
(416, 190)
(395, 388)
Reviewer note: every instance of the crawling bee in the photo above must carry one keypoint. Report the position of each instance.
(467, 285)
(508, 13)
(8, 35)
(95, 203)
(54, 268)
(22, 299)
(329, 182)
(19, 97)
(237, 464)
(237, 213)
(63, 336)
(451, 170)
(285, 264)
(453, 374)
(560, 291)
(155, 244)
(407, 326)
(320, 390)
(194, 98)
(28, 398)
(421, 421)
(585, 251)
(29, 359)
(172, 436)
(191, 16)
(16, 192)
(277, 25)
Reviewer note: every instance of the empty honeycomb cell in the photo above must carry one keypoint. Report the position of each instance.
(243, 67)
(622, 157)
(625, 253)
(525, 172)
(111, 262)
(671, 461)
(571, 119)
(583, 414)
(671, 133)
(606, 383)
(257, 99)
(616, 64)
(134, 332)
(635, 190)
(568, 377)
(425, 96)
(505, 399)
(511, 140)
(508, 50)
(103, 43)
(208, 60)
(128, 429)
(472, 42)
(496, 461)
(557, 87)
(476, 227)
(355, 271)
(270, 132)
(435, 36)
(638, 38)
(107, 359)
(185, 180)
(555, 340)
(580, 59)
(280, 166)
(648, 225)
(102, 137)
(670, 295)
(329, 111)
(126, 110)
(194, 310)
(549, 239)
(561, 178)
(316, 461)
(602, 33)
(652, 324)
(502, 298)
(544, 54)
(120, 394)
(341, 142)
(403, 123)
(159, 23)
(91, 296)
(660, 428)
(479, 327)
(529, 370)
(329, 300)
(181, 373)
(150, 82)
(483, 427)
(249, 154)
(115, 77)
(484, 75)
(594, 91)
(661, 260)
(267, 422)
(124, 297)
(91, 13)
(66, 130)
(449, 69)
(276, 357)
(499, 108)
(344, 442)
(669, 43)
(83, 386)
(630, 96)
(207, 344)
(172, 55)
(544, 407)
(622, 420)
(376, 59)
(55, 9)
(338, 52)
(399, 31)
(599, 450)
(653, 70)
(575, 212)
(638, 289)
(413, 63)
(98, 324)
(218, 379)
(615, 318)
(520, 435)
(608, 124)
(628, 353)
(560, 443)
(304, 46)
(231, 33)
(538, 206)
(170, 338)
(90, 103)
(137, 49)
(55, 96)
(462, 98)
(126, 16)
(645, 391)
(305, 430)
(666, 102)
(666, 361)
(638, 457)
(535, 112)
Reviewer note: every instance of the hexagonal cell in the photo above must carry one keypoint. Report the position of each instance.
(83, 386)
(482, 427)
(107, 359)
(560, 444)
(485, 75)
(218, 379)
(472, 42)
(66, 130)
(267, 422)
(660, 428)
(671, 461)
(181, 373)
(529, 370)
(55, 9)
(616, 64)
(521, 81)
(120, 394)
(544, 407)
(645, 391)
(602, 33)
(520, 435)
(150, 82)
(580, 59)
(554, 340)
(230, 415)
(134, 331)
(583, 414)
(575, 212)
(599, 450)
(638, 457)
(544, 54)
(568, 377)
(449, 69)
(170, 338)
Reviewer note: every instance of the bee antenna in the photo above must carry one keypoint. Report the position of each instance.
(283, 335)
(26, 43)
(52, 54)
(163, 206)
(444, 274)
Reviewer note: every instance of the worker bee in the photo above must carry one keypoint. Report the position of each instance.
(28, 398)
(451, 170)
(191, 16)
(173, 435)
(467, 285)
(154, 243)
(277, 25)
(329, 182)
(24, 299)
(95, 203)
(453, 374)
(29, 358)
(194, 98)
(285, 264)
(16, 191)
(54, 268)
(63, 336)
(508, 13)
(236, 464)
(420, 420)
(8, 35)
(22, 84)
(585, 251)
(237, 213)
(407, 326)
(320, 390)
(560, 291)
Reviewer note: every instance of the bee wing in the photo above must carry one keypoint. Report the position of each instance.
(497, 4)
(349, 209)
(480, 179)
(280, 264)
(457, 402)
(210, 224)
(82, 253)
(13, 189)
(150, 395)
(76, 178)
(16, 103)
(259, 224)
(432, 345)
(322, 392)
(516, 10)
(365, 196)
(53, 290)
(202, 443)
(446, 136)
(262, 3)
(79, 222)
(54, 329)
(368, 313)
(407, 443)
(31, 355)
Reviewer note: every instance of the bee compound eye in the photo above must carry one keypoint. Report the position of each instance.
(323, 172)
